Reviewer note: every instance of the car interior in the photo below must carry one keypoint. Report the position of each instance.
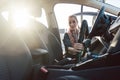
(36, 53)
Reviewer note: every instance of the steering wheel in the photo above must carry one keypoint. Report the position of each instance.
(100, 24)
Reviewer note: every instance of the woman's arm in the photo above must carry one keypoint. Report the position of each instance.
(66, 40)
(68, 46)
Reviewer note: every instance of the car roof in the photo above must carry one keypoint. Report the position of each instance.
(47, 3)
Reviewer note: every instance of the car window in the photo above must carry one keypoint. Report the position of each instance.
(43, 19)
(62, 11)
(90, 18)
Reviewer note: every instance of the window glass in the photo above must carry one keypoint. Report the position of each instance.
(90, 9)
(42, 19)
(62, 11)
(90, 18)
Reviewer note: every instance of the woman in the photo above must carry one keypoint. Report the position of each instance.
(72, 47)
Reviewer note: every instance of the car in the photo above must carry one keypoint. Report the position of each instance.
(31, 36)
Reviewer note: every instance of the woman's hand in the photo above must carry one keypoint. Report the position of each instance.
(78, 46)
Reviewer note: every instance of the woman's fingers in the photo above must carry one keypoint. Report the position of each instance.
(78, 46)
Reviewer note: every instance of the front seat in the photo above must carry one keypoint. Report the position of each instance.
(15, 57)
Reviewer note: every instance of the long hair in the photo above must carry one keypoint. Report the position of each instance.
(73, 34)
(74, 17)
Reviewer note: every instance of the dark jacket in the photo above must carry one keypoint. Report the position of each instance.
(67, 43)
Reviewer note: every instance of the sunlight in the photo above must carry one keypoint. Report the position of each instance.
(5, 15)
(20, 18)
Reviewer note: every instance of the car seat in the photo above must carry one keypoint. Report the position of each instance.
(15, 57)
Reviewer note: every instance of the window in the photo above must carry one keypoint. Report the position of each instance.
(90, 17)
(62, 11)
(42, 19)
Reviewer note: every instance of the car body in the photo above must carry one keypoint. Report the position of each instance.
(31, 50)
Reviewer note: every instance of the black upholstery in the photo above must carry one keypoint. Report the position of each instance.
(70, 77)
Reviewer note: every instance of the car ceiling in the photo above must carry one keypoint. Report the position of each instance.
(92, 3)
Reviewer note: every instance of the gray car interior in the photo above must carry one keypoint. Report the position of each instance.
(17, 54)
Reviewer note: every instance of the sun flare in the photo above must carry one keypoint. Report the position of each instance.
(20, 18)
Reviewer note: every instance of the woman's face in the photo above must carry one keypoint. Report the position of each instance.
(73, 23)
